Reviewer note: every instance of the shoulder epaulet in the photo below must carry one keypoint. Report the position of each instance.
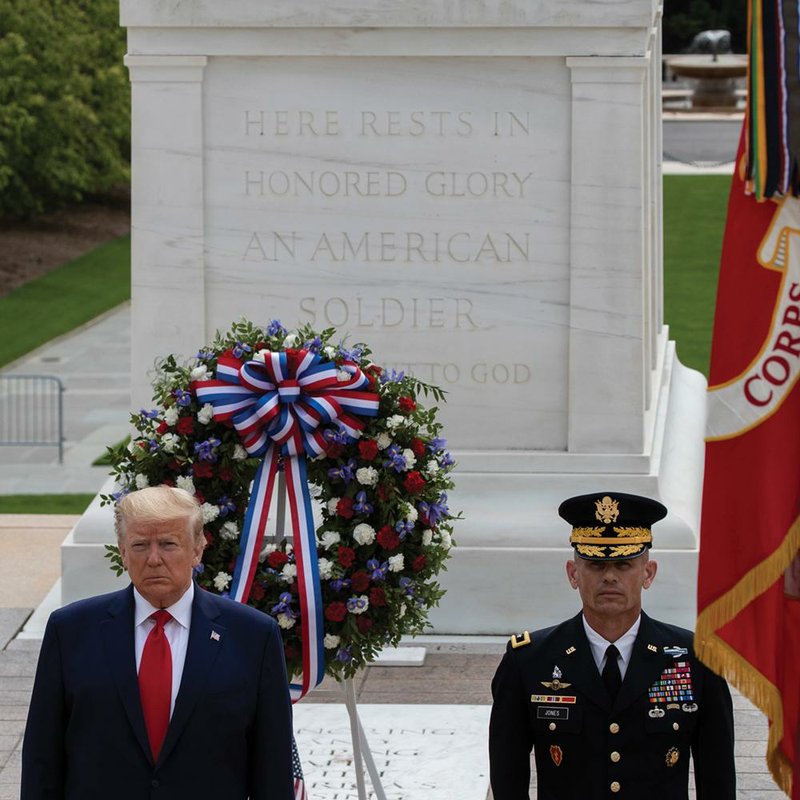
(520, 640)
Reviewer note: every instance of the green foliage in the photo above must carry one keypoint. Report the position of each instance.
(695, 208)
(64, 299)
(44, 503)
(64, 103)
(684, 19)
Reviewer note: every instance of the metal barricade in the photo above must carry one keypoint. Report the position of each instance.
(32, 411)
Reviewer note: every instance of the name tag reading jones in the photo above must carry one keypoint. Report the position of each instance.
(543, 712)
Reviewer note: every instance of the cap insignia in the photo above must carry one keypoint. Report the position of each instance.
(607, 510)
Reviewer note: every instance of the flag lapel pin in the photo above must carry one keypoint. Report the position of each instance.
(214, 636)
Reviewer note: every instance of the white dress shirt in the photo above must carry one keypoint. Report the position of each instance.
(624, 644)
(176, 630)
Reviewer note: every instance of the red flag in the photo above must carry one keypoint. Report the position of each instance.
(748, 625)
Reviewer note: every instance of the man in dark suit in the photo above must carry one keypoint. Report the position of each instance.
(611, 701)
(161, 690)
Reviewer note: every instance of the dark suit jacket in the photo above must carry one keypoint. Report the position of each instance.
(584, 744)
(231, 730)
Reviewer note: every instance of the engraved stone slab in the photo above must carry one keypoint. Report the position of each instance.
(421, 751)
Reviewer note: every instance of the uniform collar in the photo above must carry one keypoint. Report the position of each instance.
(624, 644)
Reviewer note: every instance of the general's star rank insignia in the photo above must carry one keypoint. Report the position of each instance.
(556, 754)
(556, 683)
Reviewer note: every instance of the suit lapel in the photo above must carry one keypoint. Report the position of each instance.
(117, 636)
(647, 663)
(583, 672)
(201, 653)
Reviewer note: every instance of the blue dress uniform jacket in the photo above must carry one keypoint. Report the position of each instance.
(549, 696)
(231, 730)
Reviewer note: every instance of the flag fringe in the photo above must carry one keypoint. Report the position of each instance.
(741, 673)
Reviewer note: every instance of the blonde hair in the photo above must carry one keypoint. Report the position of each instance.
(159, 504)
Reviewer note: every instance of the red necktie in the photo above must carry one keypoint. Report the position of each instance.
(155, 682)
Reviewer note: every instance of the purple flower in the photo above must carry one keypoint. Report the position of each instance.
(407, 585)
(357, 604)
(152, 445)
(377, 570)
(435, 511)
(239, 349)
(353, 354)
(404, 527)
(437, 444)
(361, 506)
(204, 355)
(145, 414)
(338, 435)
(283, 606)
(182, 397)
(314, 344)
(447, 460)
(395, 459)
(226, 505)
(390, 376)
(199, 569)
(343, 654)
(337, 584)
(117, 496)
(206, 451)
(343, 473)
(275, 328)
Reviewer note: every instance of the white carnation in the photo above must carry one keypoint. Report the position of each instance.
(329, 539)
(239, 453)
(221, 581)
(364, 534)
(427, 537)
(402, 612)
(331, 641)
(330, 352)
(410, 513)
(229, 531)
(431, 468)
(199, 373)
(142, 481)
(395, 421)
(367, 476)
(285, 621)
(409, 458)
(169, 441)
(332, 503)
(289, 571)
(384, 441)
(291, 340)
(396, 563)
(325, 570)
(185, 482)
(171, 415)
(446, 540)
(209, 511)
(205, 414)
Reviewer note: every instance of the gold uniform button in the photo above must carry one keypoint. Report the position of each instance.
(615, 787)
(552, 726)
(613, 727)
(675, 726)
(615, 756)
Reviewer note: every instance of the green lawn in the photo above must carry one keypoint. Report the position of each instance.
(64, 299)
(44, 503)
(694, 223)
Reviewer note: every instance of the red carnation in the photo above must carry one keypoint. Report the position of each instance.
(162, 427)
(359, 581)
(419, 563)
(202, 469)
(209, 538)
(225, 474)
(142, 444)
(374, 369)
(364, 623)
(377, 597)
(334, 449)
(185, 425)
(168, 482)
(383, 492)
(388, 538)
(173, 464)
(277, 558)
(200, 499)
(368, 449)
(417, 447)
(257, 592)
(291, 651)
(344, 508)
(346, 556)
(335, 611)
(414, 483)
(407, 404)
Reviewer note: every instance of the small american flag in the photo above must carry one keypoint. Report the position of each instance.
(297, 772)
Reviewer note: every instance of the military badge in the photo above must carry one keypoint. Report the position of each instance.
(607, 510)
(520, 640)
(556, 683)
(673, 754)
(689, 708)
(556, 754)
(674, 685)
(656, 713)
(676, 652)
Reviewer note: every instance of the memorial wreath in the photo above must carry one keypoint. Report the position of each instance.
(347, 434)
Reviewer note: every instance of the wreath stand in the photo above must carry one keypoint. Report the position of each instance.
(362, 755)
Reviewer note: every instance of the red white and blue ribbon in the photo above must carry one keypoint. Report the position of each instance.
(280, 403)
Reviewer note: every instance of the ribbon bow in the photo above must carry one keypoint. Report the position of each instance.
(281, 403)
